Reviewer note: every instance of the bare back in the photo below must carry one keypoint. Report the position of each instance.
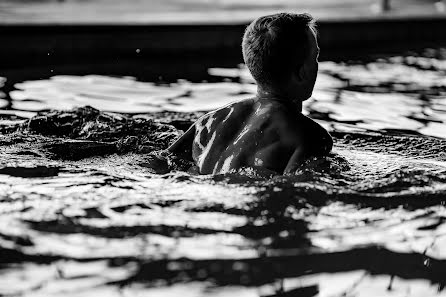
(254, 133)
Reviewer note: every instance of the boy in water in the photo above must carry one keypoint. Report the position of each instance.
(267, 131)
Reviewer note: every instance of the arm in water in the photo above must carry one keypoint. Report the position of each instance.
(178, 156)
(182, 147)
(317, 142)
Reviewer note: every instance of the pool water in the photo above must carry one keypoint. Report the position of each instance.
(85, 210)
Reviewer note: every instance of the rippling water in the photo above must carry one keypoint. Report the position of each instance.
(86, 211)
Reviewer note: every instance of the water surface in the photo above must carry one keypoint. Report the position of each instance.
(85, 211)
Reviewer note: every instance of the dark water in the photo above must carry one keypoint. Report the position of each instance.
(86, 210)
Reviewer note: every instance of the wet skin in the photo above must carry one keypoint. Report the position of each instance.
(267, 133)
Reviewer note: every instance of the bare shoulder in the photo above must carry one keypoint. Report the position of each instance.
(296, 129)
(222, 114)
(311, 125)
(318, 138)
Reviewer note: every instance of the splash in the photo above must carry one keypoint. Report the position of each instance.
(90, 203)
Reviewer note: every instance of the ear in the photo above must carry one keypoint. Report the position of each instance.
(301, 73)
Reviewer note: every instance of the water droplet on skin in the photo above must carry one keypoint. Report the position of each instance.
(284, 234)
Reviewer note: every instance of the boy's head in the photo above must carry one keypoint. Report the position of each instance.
(281, 49)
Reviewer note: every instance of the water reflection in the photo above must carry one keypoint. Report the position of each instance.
(405, 94)
(83, 213)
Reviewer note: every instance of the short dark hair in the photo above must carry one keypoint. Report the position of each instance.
(274, 45)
